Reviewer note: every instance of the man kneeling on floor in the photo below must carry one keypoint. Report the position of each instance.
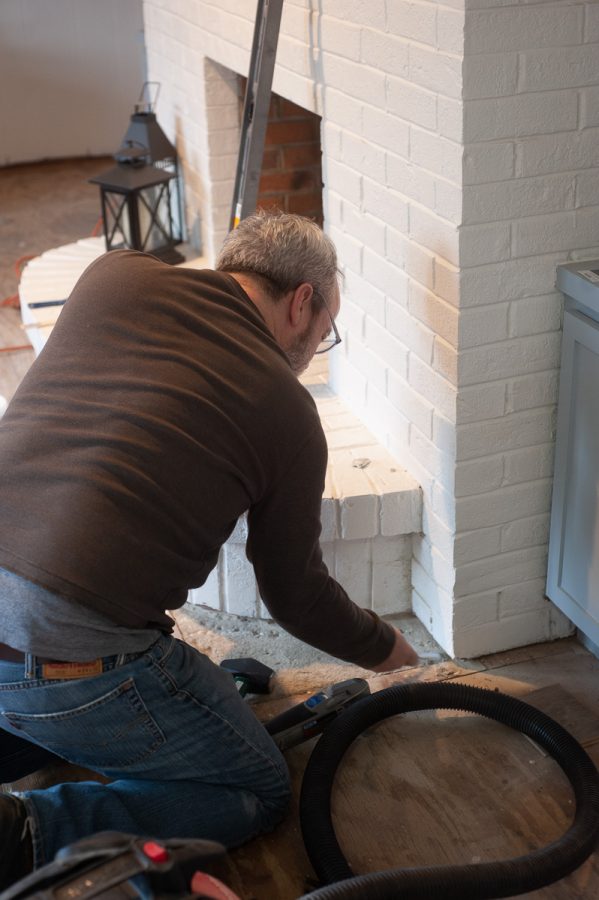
(164, 406)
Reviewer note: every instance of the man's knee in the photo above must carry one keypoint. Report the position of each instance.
(275, 803)
(274, 811)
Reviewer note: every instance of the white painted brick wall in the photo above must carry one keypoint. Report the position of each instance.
(461, 165)
(523, 27)
(520, 116)
(530, 80)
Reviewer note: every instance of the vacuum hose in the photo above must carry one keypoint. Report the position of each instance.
(483, 881)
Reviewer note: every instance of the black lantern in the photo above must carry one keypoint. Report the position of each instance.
(140, 195)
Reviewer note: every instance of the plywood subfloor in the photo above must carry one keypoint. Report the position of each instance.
(438, 788)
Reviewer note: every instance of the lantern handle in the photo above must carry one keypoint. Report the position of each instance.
(150, 105)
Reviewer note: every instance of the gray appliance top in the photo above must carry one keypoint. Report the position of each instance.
(580, 282)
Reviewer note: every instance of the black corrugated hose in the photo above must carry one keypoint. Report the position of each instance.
(483, 881)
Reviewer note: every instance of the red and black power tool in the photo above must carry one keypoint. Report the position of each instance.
(116, 866)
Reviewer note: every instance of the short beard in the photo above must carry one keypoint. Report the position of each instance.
(298, 354)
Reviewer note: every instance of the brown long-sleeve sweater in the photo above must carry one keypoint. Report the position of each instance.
(160, 410)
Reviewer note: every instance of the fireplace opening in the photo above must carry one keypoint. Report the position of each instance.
(291, 176)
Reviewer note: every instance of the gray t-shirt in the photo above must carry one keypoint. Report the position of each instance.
(37, 621)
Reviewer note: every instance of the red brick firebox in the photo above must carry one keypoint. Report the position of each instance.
(291, 178)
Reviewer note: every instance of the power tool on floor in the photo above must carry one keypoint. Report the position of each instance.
(304, 720)
(115, 865)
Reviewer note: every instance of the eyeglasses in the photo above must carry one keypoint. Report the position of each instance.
(331, 342)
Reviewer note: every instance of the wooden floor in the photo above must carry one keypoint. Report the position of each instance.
(436, 787)
(421, 789)
(439, 788)
(44, 205)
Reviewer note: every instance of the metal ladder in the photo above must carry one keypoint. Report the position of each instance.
(255, 109)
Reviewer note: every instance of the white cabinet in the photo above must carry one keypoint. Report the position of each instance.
(573, 571)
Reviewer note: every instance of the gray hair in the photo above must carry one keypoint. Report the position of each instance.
(284, 250)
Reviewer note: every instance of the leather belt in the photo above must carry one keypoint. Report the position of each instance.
(9, 654)
(53, 668)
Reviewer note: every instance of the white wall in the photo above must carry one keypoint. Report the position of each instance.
(70, 73)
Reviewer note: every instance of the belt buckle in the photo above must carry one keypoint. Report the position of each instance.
(61, 670)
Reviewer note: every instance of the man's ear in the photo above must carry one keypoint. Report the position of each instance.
(300, 306)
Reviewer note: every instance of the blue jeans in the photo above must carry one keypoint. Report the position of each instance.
(188, 756)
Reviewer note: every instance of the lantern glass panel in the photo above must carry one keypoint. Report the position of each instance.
(116, 225)
(155, 220)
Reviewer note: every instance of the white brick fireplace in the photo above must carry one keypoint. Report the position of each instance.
(460, 148)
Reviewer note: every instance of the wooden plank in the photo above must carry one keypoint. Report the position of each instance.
(579, 719)
(530, 652)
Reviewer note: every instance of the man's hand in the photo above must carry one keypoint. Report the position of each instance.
(402, 654)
